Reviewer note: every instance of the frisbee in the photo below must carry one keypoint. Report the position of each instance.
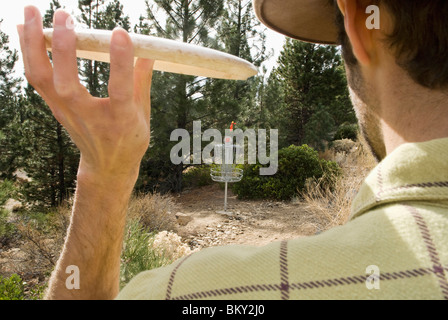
(169, 55)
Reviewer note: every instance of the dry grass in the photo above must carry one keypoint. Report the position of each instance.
(41, 237)
(332, 206)
(35, 248)
(152, 211)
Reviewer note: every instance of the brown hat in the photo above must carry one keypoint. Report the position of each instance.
(306, 20)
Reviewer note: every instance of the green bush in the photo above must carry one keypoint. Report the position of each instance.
(7, 191)
(347, 131)
(12, 288)
(198, 176)
(137, 256)
(7, 229)
(330, 172)
(296, 164)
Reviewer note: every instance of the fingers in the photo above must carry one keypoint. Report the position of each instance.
(143, 79)
(65, 75)
(121, 84)
(60, 80)
(38, 68)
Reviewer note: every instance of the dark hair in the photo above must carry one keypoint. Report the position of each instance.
(419, 39)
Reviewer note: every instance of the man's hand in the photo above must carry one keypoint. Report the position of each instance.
(112, 135)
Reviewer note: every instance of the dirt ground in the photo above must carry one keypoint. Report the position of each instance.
(247, 222)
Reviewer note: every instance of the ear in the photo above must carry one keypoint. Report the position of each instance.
(355, 27)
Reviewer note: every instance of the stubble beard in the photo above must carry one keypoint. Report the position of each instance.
(366, 108)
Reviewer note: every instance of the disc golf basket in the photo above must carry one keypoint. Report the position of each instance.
(226, 172)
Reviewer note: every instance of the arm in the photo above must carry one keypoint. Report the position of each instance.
(112, 135)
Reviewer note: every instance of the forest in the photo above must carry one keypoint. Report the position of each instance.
(304, 97)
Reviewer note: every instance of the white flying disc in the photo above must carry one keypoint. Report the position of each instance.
(169, 55)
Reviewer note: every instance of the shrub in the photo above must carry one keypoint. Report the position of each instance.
(137, 255)
(7, 229)
(331, 206)
(342, 146)
(331, 172)
(12, 288)
(296, 164)
(153, 211)
(198, 176)
(347, 131)
(7, 191)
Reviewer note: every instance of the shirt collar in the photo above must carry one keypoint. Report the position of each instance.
(414, 171)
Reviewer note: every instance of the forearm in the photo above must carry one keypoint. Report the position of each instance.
(94, 238)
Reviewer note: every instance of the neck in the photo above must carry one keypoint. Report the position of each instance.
(410, 112)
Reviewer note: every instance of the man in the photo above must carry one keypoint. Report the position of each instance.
(396, 244)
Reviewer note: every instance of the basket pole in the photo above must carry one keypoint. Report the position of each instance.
(225, 197)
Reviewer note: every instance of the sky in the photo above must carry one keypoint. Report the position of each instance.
(11, 11)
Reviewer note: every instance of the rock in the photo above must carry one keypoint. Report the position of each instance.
(13, 205)
(22, 176)
(183, 219)
(193, 243)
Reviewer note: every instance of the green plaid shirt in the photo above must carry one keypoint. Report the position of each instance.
(394, 247)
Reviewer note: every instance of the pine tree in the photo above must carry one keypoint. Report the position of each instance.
(271, 107)
(240, 35)
(43, 148)
(48, 16)
(104, 15)
(315, 89)
(176, 99)
(9, 83)
(49, 156)
(241, 32)
(10, 99)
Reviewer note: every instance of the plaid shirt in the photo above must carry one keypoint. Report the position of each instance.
(395, 246)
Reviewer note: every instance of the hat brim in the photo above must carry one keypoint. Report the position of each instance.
(306, 20)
